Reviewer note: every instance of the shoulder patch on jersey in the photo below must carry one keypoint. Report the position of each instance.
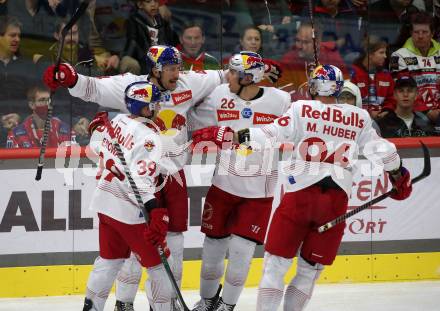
(437, 59)
(181, 97)
(410, 61)
(149, 145)
(384, 83)
(225, 115)
(263, 118)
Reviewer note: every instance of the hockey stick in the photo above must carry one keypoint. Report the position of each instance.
(137, 195)
(312, 23)
(75, 17)
(425, 173)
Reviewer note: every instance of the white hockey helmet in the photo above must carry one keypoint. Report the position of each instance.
(248, 63)
(326, 80)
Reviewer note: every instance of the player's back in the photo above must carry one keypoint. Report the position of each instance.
(142, 151)
(326, 139)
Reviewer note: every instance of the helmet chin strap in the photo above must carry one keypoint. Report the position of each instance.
(158, 79)
(242, 86)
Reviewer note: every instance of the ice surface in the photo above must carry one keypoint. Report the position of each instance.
(402, 296)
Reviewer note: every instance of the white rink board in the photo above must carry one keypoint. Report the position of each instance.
(415, 218)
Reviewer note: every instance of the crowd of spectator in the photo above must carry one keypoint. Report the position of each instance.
(387, 49)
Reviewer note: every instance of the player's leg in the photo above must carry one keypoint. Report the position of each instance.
(174, 196)
(249, 224)
(300, 289)
(158, 285)
(113, 250)
(127, 283)
(318, 249)
(216, 226)
(270, 291)
(288, 228)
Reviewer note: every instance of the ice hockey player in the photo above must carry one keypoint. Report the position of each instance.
(239, 202)
(122, 227)
(317, 183)
(180, 92)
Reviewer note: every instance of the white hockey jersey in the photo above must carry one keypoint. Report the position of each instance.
(327, 140)
(243, 172)
(192, 87)
(142, 150)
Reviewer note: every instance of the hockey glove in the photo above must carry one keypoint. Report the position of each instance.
(156, 231)
(100, 119)
(217, 134)
(272, 70)
(65, 77)
(401, 181)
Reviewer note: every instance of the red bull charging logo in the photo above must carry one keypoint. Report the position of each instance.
(156, 52)
(250, 61)
(143, 93)
(321, 72)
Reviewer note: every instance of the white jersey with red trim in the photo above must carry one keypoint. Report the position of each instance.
(327, 140)
(243, 172)
(142, 150)
(191, 88)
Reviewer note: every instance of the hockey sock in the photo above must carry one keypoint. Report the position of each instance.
(270, 290)
(241, 252)
(128, 279)
(300, 289)
(213, 265)
(158, 288)
(101, 280)
(175, 244)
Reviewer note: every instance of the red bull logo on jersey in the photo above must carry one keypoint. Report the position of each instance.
(156, 52)
(144, 93)
(181, 97)
(170, 121)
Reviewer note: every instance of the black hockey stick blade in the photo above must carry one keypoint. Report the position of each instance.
(425, 173)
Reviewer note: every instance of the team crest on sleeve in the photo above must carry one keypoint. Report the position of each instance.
(149, 145)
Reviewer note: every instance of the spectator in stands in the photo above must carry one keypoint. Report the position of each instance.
(8, 122)
(145, 28)
(340, 24)
(385, 16)
(297, 62)
(74, 52)
(251, 39)
(38, 18)
(267, 15)
(16, 72)
(81, 57)
(404, 121)
(419, 58)
(191, 46)
(29, 133)
(374, 81)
